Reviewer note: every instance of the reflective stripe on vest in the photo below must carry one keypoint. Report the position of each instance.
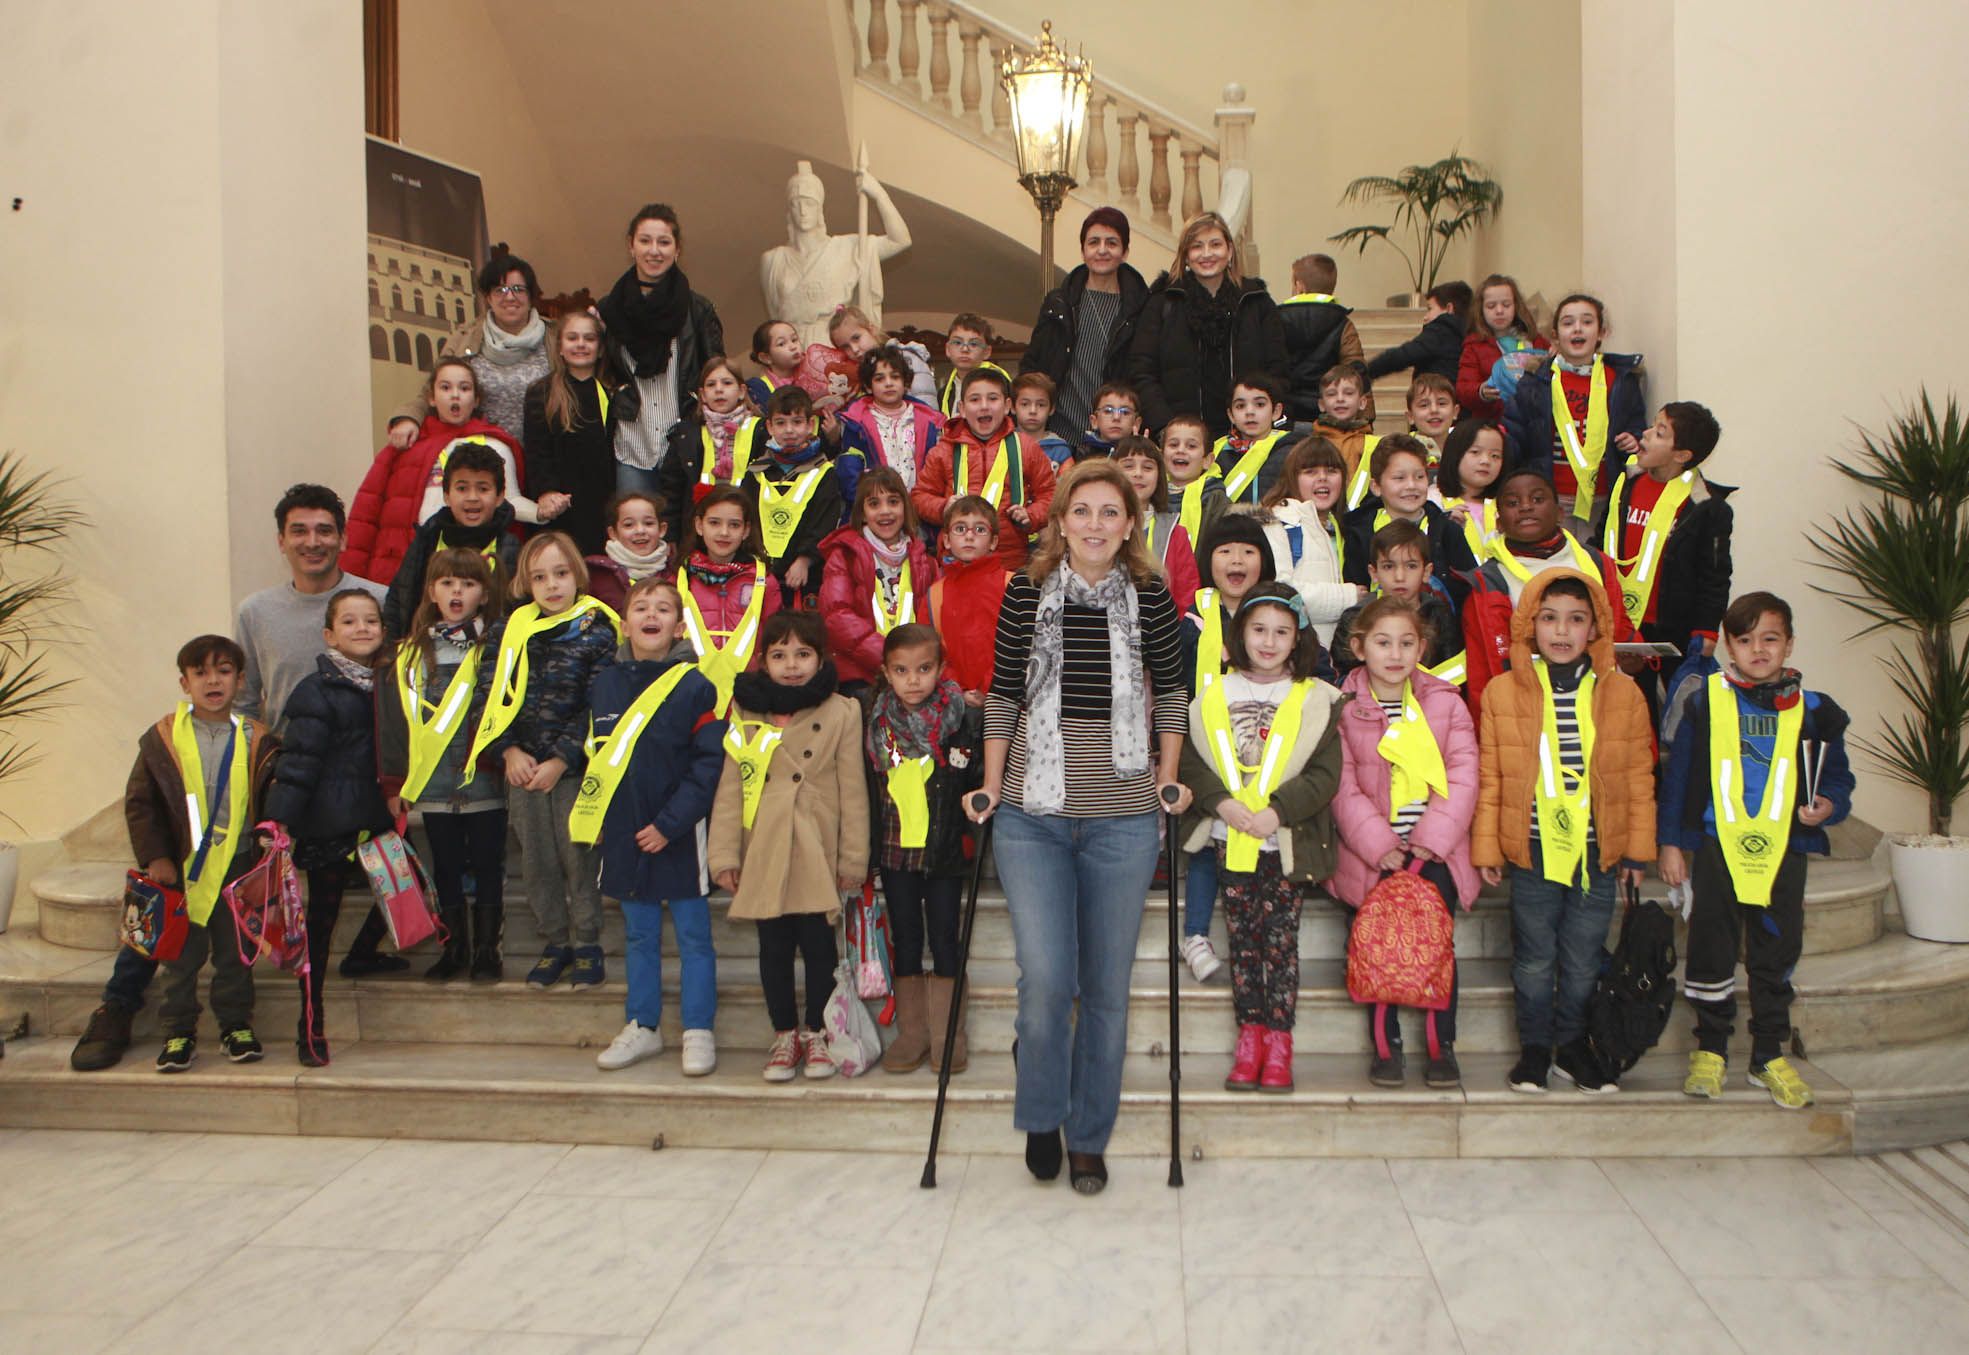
(1244, 475)
(753, 757)
(905, 609)
(508, 691)
(608, 758)
(1564, 803)
(1254, 793)
(1415, 759)
(780, 510)
(1210, 641)
(993, 491)
(1753, 844)
(431, 725)
(1363, 473)
(1637, 573)
(1479, 525)
(1584, 456)
(723, 664)
(202, 886)
(1189, 513)
(1524, 574)
(742, 443)
(1449, 670)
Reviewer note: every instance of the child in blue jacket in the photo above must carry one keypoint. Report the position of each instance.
(655, 756)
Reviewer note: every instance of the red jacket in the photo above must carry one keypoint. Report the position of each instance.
(964, 607)
(935, 483)
(847, 600)
(383, 517)
(724, 608)
(1480, 353)
(1487, 614)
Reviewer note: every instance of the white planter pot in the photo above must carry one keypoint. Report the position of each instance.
(1931, 876)
(10, 869)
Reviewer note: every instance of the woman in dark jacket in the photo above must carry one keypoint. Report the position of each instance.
(1201, 328)
(1087, 324)
(661, 333)
(572, 417)
(325, 795)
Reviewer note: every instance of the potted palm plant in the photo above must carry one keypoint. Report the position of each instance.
(34, 518)
(1904, 562)
(1433, 205)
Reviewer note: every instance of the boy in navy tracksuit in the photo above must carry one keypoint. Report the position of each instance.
(1750, 788)
(652, 823)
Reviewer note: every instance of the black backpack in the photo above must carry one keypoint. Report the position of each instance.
(1635, 993)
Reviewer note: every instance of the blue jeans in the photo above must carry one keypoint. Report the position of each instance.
(642, 920)
(640, 480)
(1075, 888)
(128, 977)
(1557, 932)
(1200, 891)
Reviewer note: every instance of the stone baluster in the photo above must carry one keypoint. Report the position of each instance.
(1001, 102)
(1234, 169)
(907, 55)
(1128, 167)
(968, 87)
(854, 35)
(1192, 179)
(1097, 146)
(1159, 175)
(940, 58)
(878, 39)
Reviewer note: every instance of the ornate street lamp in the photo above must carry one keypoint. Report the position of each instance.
(1048, 94)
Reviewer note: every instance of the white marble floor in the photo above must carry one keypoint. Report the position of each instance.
(213, 1243)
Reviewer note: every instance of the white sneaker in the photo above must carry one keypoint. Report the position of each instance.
(816, 1064)
(1202, 959)
(700, 1053)
(634, 1044)
(783, 1063)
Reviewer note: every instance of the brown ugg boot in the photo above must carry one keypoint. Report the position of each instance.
(912, 1043)
(960, 1052)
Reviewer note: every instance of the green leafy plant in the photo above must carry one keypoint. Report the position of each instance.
(1905, 562)
(34, 518)
(1433, 205)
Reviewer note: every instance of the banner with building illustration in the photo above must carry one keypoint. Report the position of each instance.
(427, 239)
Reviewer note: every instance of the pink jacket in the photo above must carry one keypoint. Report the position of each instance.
(1360, 806)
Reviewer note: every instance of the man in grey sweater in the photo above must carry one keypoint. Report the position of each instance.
(280, 627)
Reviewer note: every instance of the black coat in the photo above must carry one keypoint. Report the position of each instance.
(1313, 332)
(1438, 348)
(701, 339)
(1173, 373)
(325, 781)
(1692, 589)
(407, 588)
(579, 462)
(1050, 350)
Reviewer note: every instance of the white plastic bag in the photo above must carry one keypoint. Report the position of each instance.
(853, 1043)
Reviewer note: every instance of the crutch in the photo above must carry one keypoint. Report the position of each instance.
(1170, 794)
(980, 802)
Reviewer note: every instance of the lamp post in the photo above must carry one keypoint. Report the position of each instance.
(1048, 94)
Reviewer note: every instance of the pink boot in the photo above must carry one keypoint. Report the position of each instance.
(1278, 1062)
(1244, 1063)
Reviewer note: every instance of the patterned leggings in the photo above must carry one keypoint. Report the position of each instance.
(1261, 910)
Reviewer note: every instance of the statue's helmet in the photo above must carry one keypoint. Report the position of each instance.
(805, 183)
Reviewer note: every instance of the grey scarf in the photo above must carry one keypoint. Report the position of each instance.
(508, 349)
(1045, 774)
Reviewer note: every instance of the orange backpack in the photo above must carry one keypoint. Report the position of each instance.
(1402, 951)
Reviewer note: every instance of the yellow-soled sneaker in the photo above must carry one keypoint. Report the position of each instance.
(1705, 1075)
(1781, 1080)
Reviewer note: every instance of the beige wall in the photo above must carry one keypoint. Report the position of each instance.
(176, 338)
(1816, 194)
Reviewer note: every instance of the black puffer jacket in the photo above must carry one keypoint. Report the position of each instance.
(325, 781)
(1313, 334)
(578, 461)
(1055, 333)
(1176, 374)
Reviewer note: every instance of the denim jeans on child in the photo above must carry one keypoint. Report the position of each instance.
(1075, 888)
(1558, 934)
(1200, 891)
(128, 977)
(642, 921)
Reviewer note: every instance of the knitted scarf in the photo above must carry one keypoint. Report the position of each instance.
(760, 695)
(463, 634)
(1209, 316)
(895, 729)
(1045, 776)
(724, 432)
(638, 567)
(356, 671)
(646, 323)
(712, 575)
(509, 350)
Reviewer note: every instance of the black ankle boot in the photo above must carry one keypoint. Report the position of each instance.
(456, 958)
(487, 966)
(1043, 1154)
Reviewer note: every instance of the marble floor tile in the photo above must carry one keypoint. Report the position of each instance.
(1516, 1284)
(463, 1341)
(1311, 1217)
(42, 1166)
(1865, 1183)
(1773, 1218)
(347, 1300)
(596, 1266)
(751, 1309)
(60, 1333)
(263, 1159)
(1354, 1314)
(419, 1196)
(1851, 1315)
(817, 1204)
(1470, 1189)
(1941, 1248)
(673, 1174)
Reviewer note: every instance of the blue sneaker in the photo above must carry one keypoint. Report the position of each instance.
(588, 972)
(553, 963)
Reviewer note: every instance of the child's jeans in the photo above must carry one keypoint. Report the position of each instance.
(561, 875)
(1199, 891)
(811, 936)
(129, 975)
(1773, 937)
(642, 920)
(921, 905)
(232, 982)
(1558, 935)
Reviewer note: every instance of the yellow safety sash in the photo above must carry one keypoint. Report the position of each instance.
(993, 492)
(1210, 643)
(601, 397)
(742, 441)
(202, 888)
(1584, 456)
(1637, 573)
(1189, 513)
(1415, 759)
(1449, 670)
(909, 789)
(753, 757)
(951, 393)
(508, 691)
(1251, 787)
(430, 724)
(1753, 844)
(490, 550)
(723, 664)
(1363, 480)
(1479, 524)
(905, 609)
(1307, 296)
(1581, 561)
(1244, 475)
(608, 758)
(444, 453)
(1563, 802)
(780, 509)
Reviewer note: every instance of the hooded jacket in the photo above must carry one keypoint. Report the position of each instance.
(1167, 363)
(669, 783)
(964, 603)
(562, 662)
(936, 483)
(383, 516)
(1620, 777)
(847, 593)
(1304, 555)
(1305, 791)
(1056, 333)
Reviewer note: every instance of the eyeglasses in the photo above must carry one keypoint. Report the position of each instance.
(1117, 411)
(969, 529)
(514, 289)
(968, 345)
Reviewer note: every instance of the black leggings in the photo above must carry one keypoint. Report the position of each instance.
(325, 888)
(473, 844)
(920, 903)
(812, 936)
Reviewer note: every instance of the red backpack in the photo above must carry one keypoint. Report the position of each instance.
(1402, 951)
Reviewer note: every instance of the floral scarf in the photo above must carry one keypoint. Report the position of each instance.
(1045, 775)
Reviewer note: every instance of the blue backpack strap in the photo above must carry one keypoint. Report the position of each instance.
(1295, 537)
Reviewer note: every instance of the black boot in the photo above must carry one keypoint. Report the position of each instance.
(456, 958)
(486, 963)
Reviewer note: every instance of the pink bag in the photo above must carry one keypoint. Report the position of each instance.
(403, 892)
(268, 918)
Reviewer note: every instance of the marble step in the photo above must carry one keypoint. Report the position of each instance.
(1937, 1177)
(495, 1092)
(81, 904)
(1896, 991)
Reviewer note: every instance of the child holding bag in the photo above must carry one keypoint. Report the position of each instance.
(1408, 793)
(1263, 761)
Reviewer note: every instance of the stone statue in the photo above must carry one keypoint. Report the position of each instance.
(814, 272)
